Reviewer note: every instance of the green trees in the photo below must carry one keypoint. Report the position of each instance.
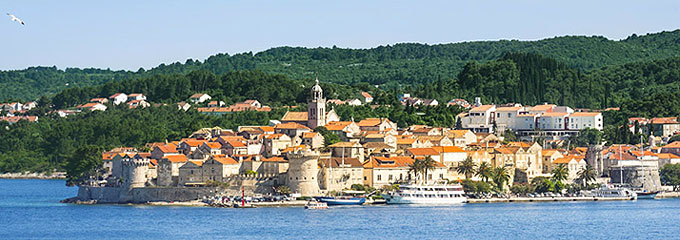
(560, 173)
(500, 177)
(670, 175)
(329, 137)
(420, 167)
(484, 171)
(84, 163)
(586, 175)
(587, 137)
(466, 167)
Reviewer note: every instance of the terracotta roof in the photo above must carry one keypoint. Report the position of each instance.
(508, 109)
(197, 95)
(458, 133)
(293, 148)
(544, 107)
(380, 145)
(236, 144)
(548, 152)
(345, 144)
(213, 144)
(267, 128)
(176, 158)
(402, 141)
(675, 144)
(167, 148)
(337, 161)
(448, 149)
(394, 162)
(193, 142)
(198, 163)
(508, 150)
(369, 122)
(422, 130)
(275, 159)
(622, 156)
(295, 117)
(423, 151)
(520, 144)
(585, 114)
(225, 160)
(366, 95)
(116, 95)
(639, 154)
(291, 125)
(566, 160)
(309, 134)
(482, 108)
(666, 120)
(273, 136)
(337, 126)
(431, 138)
(667, 156)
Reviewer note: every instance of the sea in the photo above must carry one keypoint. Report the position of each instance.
(30, 209)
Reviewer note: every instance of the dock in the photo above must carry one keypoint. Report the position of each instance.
(549, 199)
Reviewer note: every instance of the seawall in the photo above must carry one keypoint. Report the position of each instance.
(142, 195)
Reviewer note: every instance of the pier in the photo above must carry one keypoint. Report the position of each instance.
(549, 199)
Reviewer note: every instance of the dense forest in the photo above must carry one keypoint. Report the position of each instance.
(389, 66)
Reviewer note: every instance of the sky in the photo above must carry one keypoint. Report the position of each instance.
(132, 34)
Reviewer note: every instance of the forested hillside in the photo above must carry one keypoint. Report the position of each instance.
(404, 64)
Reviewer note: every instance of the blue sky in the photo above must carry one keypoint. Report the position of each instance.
(132, 34)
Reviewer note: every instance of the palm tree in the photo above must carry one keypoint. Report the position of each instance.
(484, 171)
(428, 164)
(586, 175)
(500, 176)
(466, 167)
(415, 168)
(560, 173)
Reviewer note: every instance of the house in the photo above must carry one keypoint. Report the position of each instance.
(138, 103)
(313, 139)
(168, 169)
(668, 158)
(388, 139)
(366, 97)
(548, 157)
(347, 150)
(541, 109)
(665, 127)
(213, 148)
(118, 98)
(183, 106)
(160, 152)
(462, 138)
(573, 163)
(427, 131)
(552, 121)
(187, 146)
(384, 171)
(459, 102)
(219, 168)
(506, 116)
(199, 98)
(232, 148)
(274, 143)
(16, 106)
(136, 96)
(376, 124)
(583, 120)
(379, 148)
(99, 100)
(29, 105)
(191, 173)
(336, 173)
(92, 107)
(344, 129)
(292, 129)
(436, 140)
(430, 102)
(673, 148)
(404, 143)
(479, 119)
(273, 166)
(216, 104)
(353, 102)
(422, 153)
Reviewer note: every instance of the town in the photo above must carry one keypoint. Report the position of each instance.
(512, 145)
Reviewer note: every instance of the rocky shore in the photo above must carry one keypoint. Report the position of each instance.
(32, 175)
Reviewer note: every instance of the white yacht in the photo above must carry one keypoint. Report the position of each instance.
(607, 190)
(426, 194)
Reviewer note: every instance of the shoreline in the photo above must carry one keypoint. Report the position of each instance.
(32, 175)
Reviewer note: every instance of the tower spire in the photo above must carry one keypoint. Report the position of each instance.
(317, 78)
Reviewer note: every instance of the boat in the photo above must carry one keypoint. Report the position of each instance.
(427, 194)
(608, 190)
(644, 194)
(312, 204)
(349, 197)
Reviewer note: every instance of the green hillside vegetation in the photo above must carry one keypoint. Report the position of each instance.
(400, 64)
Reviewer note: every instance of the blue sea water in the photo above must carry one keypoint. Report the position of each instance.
(30, 209)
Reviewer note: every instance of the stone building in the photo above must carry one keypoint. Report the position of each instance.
(303, 172)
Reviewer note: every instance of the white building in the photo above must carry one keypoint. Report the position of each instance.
(583, 120)
(199, 98)
(480, 119)
(118, 98)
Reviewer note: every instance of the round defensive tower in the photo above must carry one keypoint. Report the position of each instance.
(134, 171)
(302, 172)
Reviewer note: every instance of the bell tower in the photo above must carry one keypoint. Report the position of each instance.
(316, 108)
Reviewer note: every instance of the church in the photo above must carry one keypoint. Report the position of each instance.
(316, 114)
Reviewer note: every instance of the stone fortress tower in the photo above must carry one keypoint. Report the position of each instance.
(303, 171)
(134, 172)
(316, 108)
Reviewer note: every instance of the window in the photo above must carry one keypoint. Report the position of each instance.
(379, 177)
(509, 115)
(441, 176)
(365, 178)
(389, 177)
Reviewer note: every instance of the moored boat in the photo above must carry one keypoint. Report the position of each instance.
(427, 194)
(644, 194)
(312, 204)
(607, 190)
(348, 198)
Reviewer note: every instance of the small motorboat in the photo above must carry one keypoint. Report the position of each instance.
(312, 204)
(348, 198)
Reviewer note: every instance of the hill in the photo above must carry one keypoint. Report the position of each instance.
(400, 64)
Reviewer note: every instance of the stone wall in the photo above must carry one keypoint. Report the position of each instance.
(142, 195)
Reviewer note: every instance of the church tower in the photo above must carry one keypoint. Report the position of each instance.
(316, 108)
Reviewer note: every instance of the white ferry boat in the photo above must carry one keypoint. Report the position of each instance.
(427, 194)
(607, 190)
